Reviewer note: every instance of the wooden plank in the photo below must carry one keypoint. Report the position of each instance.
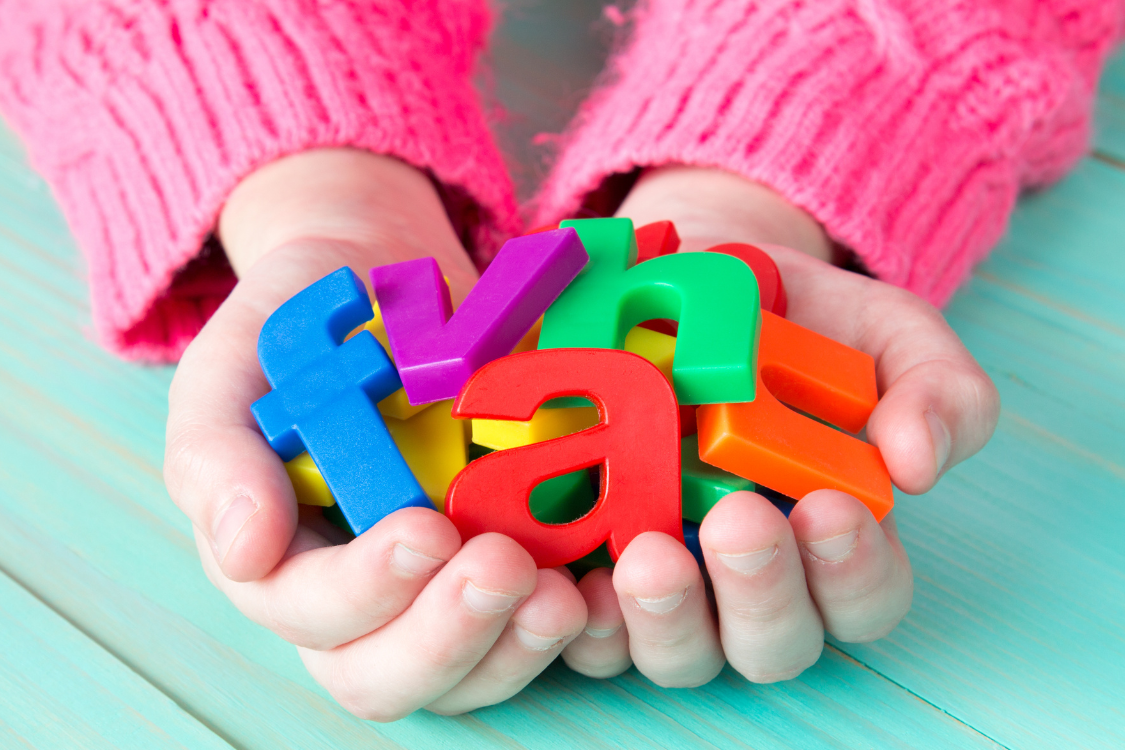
(85, 524)
(62, 690)
(837, 704)
(1017, 627)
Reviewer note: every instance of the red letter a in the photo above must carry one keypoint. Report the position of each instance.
(637, 443)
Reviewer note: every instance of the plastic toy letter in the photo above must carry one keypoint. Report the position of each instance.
(713, 296)
(437, 353)
(771, 444)
(637, 444)
(324, 396)
(770, 287)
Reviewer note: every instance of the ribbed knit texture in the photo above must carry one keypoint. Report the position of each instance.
(906, 127)
(143, 116)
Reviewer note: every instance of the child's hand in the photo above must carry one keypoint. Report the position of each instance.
(779, 584)
(404, 616)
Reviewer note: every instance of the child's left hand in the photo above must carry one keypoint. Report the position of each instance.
(780, 583)
(405, 616)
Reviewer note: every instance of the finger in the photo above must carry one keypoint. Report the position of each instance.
(321, 596)
(857, 570)
(429, 648)
(672, 635)
(937, 406)
(602, 649)
(218, 468)
(936, 413)
(538, 632)
(769, 626)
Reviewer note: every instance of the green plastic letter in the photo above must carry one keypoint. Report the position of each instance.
(702, 485)
(713, 296)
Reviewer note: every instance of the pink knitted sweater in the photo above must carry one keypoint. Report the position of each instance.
(906, 127)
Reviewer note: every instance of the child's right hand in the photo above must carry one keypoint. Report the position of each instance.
(778, 584)
(405, 616)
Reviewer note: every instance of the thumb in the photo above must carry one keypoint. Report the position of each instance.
(285, 226)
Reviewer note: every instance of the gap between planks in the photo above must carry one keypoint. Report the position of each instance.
(237, 746)
(1109, 159)
(904, 688)
(121, 660)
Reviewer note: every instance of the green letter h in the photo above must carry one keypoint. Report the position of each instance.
(713, 296)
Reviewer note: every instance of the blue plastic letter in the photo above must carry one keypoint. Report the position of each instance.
(324, 395)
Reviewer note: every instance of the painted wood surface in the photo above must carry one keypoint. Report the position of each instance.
(1015, 638)
(60, 689)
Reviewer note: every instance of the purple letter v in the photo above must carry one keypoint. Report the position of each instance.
(436, 353)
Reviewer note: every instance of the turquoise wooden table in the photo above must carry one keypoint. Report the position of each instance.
(111, 636)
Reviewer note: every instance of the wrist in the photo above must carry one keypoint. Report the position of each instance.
(710, 206)
(385, 209)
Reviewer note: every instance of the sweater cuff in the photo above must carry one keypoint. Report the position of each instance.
(905, 128)
(143, 117)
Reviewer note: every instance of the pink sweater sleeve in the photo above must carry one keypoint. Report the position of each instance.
(143, 116)
(906, 127)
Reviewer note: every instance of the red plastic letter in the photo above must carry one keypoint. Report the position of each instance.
(637, 443)
(770, 289)
(768, 443)
(653, 240)
(656, 239)
(660, 238)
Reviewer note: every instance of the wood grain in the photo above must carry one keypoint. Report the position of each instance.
(62, 690)
(1017, 626)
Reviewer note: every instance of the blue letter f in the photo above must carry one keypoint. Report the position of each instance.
(324, 396)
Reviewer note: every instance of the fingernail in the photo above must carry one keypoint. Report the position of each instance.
(602, 632)
(943, 443)
(834, 549)
(748, 562)
(488, 602)
(662, 604)
(414, 562)
(229, 522)
(536, 642)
